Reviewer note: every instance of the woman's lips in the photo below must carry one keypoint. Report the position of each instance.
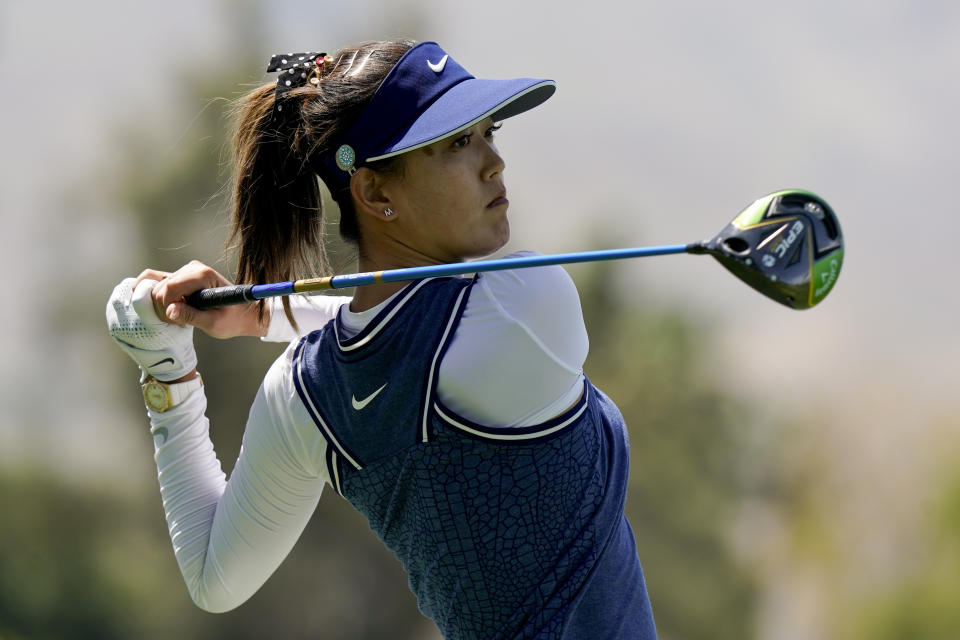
(499, 201)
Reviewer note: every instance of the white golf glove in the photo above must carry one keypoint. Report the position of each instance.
(162, 350)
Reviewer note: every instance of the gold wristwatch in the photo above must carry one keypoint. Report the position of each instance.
(163, 396)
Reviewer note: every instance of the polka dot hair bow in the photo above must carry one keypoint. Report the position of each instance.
(295, 70)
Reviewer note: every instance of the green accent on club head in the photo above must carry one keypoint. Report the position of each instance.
(824, 275)
(754, 213)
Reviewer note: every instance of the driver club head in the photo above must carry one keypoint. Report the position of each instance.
(787, 245)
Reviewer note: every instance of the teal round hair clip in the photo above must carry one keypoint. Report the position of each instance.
(346, 158)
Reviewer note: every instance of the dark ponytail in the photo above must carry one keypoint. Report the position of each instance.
(277, 206)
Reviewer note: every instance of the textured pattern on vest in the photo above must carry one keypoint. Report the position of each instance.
(504, 533)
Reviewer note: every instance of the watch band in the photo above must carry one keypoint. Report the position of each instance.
(163, 396)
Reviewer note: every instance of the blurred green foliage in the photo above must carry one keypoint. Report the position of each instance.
(79, 562)
(926, 604)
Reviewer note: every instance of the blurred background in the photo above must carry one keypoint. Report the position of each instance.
(796, 475)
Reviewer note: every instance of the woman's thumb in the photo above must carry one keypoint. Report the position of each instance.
(182, 314)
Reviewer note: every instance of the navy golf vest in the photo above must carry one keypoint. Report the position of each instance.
(504, 532)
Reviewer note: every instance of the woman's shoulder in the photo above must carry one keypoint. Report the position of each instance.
(521, 291)
(522, 329)
(542, 301)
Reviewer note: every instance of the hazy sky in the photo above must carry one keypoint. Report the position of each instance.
(669, 118)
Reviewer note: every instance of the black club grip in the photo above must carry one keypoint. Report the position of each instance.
(221, 296)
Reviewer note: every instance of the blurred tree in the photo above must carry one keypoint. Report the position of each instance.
(925, 605)
(78, 562)
(82, 563)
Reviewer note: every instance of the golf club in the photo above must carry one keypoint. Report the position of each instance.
(787, 245)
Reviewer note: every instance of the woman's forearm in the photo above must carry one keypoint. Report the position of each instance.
(230, 535)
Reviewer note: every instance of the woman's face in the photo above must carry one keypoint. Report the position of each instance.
(450, 198)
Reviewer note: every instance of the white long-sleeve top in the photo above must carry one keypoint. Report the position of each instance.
(516, 360)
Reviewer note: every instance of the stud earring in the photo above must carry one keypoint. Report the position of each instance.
(388, 212)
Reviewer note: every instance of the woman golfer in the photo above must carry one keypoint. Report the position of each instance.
(452, 412)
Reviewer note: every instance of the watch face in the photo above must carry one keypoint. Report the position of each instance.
(155, 396)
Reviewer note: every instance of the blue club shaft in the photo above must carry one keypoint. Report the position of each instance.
(236, 294)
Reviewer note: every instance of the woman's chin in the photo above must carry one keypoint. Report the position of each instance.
(498, 241)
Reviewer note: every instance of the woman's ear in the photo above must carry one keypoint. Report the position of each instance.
(369, 198)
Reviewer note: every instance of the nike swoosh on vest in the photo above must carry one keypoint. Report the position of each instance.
(358, 405)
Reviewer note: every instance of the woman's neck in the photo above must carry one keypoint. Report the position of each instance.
(370, 296)
(383, 256)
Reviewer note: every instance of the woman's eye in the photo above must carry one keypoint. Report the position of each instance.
(464, 140)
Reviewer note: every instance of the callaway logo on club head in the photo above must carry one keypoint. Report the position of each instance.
(360, 404)
(827, 279)
(438, 67)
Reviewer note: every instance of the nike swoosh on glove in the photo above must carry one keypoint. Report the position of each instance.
(162, 350)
